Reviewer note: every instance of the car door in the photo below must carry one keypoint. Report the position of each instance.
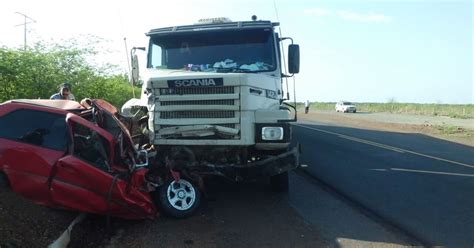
(31, 142)
(84, 180)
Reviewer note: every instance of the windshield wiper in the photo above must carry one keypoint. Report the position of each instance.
(233, 69)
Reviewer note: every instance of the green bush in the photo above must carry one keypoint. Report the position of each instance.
(35, 73)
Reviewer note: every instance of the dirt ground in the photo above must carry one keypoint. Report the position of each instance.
(455, 130)
(25, 224)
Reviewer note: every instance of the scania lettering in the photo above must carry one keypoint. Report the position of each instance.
(194, 82)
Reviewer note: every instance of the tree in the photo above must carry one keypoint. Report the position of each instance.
(37, 71)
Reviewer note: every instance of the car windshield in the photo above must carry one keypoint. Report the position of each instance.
(218, 51)
(347, 103)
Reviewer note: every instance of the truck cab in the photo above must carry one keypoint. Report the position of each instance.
(213, 93)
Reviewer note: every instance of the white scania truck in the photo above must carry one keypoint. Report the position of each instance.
(214, 98)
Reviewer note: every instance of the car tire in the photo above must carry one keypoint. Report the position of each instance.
(179, 199)
(279, 183)
(354, 111)
(4, 183)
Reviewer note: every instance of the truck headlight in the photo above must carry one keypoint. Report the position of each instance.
(272, 133)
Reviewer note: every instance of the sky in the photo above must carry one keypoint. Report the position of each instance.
(362, 51)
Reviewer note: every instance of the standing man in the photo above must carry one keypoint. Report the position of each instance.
(64, 93)
(306, 107)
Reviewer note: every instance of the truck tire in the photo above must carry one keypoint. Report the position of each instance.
(179, 199)
(279, 183)
(4, 181)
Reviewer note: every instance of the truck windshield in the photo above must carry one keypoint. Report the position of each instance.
(214, 51)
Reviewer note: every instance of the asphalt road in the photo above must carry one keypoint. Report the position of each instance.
(418, 183)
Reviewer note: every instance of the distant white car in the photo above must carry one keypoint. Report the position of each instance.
(345, 107)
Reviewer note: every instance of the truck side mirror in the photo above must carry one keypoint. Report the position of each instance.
(293, 58)
(135, 75)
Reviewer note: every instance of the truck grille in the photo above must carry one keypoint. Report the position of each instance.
(222, 125)
(197, 91)
(197, 114)
(194, 106)
(198, 102)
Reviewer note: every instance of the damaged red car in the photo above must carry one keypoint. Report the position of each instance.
(66, 155)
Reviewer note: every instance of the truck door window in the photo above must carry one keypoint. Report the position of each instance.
(91, 147)
(157, 57)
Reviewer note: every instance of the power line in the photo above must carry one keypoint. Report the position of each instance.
(28, 20)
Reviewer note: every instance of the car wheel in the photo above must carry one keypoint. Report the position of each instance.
(279, 183)
(179, 199)
(4, 181)
(354, 111)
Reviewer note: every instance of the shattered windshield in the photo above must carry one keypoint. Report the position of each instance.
(216, 51)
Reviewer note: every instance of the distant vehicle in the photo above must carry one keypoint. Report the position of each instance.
(345, 107)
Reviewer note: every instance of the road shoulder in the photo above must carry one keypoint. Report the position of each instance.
(395, 123)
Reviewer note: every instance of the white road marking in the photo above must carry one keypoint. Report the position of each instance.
(433, 172)
(372, 143)
(387, 147)
(63, 240)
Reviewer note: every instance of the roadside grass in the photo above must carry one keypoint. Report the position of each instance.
(460, 111)
(450, 129)
(465, 136)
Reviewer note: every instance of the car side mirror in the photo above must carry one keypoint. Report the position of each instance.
(293, 58)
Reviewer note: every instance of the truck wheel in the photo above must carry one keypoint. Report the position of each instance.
(279, 183)
(179, 199)
(4, 181)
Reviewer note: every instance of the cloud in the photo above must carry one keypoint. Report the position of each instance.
(348, 15)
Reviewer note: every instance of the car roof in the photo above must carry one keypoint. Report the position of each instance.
(57, 104)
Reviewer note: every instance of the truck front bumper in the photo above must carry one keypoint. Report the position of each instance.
(270, 166)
